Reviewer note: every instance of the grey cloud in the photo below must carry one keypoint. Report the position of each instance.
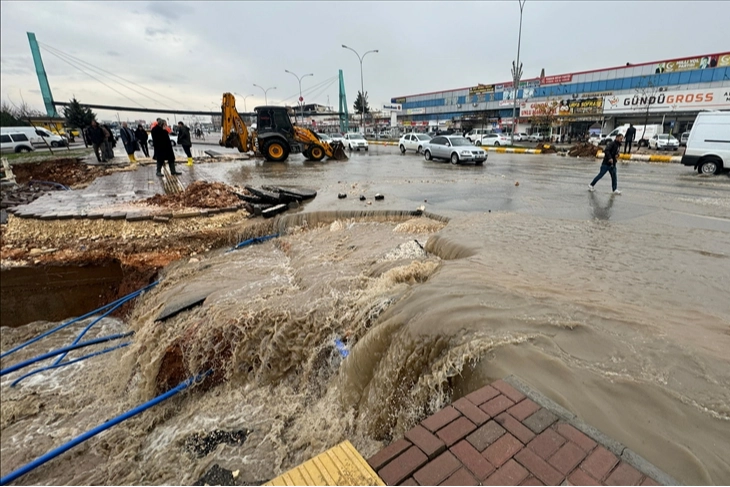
(156, 32)
(113, 53)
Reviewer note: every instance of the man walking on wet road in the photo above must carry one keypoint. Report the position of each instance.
(610, 156)
(630, 135)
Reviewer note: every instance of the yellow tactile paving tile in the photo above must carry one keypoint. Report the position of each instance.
(341, 465)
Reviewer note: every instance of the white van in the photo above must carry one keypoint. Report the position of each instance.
(642, 135)
(708, 145)
(476, 134)
(14, 142)
(36, 136)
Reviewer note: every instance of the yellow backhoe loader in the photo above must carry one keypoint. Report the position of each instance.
(275, 136)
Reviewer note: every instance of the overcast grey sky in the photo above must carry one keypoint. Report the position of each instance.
(192, 52)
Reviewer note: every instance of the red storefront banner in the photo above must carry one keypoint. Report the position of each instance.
(554, 80)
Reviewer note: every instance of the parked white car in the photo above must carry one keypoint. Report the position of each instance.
(535, 137)
(475, 134)
(493, 139)
(414, 142)
(355, 141)
(38, 136)
(663, 142)
(15, 142)
(521, 137)
(338, 138)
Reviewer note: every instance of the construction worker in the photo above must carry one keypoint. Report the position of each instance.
(183, 138)
(130, 142)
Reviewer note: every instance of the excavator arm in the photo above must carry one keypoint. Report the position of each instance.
(234, 132)
(315, 148)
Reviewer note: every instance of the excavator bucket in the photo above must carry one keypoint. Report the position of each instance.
(338, 151)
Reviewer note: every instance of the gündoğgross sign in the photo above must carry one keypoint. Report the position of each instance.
(669, 101)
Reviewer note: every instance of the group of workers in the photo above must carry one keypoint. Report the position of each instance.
(103, 142)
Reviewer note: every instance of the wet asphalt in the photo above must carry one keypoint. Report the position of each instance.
(546, 185)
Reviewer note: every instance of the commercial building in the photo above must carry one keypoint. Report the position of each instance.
(669, 92)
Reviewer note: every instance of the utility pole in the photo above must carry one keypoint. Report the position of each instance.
(362, 86)
(301, 99)
(516, 75)
(266, 91)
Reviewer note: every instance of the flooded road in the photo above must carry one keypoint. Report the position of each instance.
(616, 307)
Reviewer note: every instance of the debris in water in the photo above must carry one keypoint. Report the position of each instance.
(342, 195)
(379, 197)
(517, 183)
(362, 197)
(341, 347)
(202, 444)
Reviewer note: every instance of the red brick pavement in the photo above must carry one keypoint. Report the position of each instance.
(496, 436)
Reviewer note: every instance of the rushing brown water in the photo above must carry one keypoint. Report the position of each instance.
(603, 317)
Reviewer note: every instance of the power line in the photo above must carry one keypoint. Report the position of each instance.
(310, 89)
(97, 79)
(100, 69)
(63, 56)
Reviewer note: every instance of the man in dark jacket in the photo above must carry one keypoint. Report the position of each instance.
(163, 148)
(141, 135)
(129, 140)
(183, 138)
(610, 156)
(630, 136)
(96, 137)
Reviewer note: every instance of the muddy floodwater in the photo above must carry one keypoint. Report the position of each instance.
(615, 307)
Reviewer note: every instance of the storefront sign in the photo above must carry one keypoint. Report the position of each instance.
(415, 111)
(481, 89)
(400, 100)
(585, 106)
(688, 64)
(532, 109)
(669, 101)
(554, 80)
(393, 107)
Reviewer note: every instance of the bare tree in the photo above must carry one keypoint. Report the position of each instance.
(647, 95)
(545, 114)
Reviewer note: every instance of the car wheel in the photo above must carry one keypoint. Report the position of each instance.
(454, 158)
(276, 151)
(419, 150)
(54, 144)
(349, 146)
(173, 143)
(496, 144)
(366, 149)
(427, 155)
(478, 143)
(709, 166)
(402, 149)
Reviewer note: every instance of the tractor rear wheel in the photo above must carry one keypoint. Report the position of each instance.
(276, 151)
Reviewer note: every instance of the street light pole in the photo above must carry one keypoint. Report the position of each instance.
(362, 86)
(517, 74)
(301, 99)
(266, 97)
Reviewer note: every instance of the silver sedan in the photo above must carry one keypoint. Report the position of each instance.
(454, 148)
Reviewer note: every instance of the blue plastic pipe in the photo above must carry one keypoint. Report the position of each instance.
(59, 351)
(251, 241)
(55, 366)
(88, 327)
(75, 320)
(91, 433)
(342, 348)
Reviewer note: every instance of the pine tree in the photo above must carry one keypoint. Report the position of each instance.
(78, 117)
(358, 106)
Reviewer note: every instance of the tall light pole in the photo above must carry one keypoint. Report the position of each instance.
(301, 99)
(362, 86)
(244, 100)
(516, 75)
(266, 97)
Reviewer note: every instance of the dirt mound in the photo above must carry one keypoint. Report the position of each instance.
(69, 172)
(583, 150)
(200, 194)
(546, 148)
